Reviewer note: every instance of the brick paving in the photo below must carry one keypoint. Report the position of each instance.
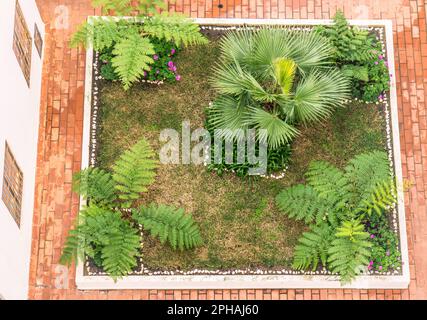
(60, 138)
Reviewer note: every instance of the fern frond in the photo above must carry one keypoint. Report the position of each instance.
(349, 252)
(174, 27)
(132, 57)
(313, 248)
(134, 171)
(303, 203)
(365, 171)
(356, 72)
(95, 184)
(382, 197)
(103, 234)
(329, 182)
(170, 225)
(284, 72)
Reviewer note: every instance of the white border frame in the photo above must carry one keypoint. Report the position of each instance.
(260, 281)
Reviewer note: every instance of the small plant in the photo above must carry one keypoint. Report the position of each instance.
(128, 46)
(358, 53)
(385, 255)
(105, 232)
(273, 79)
(334, 203)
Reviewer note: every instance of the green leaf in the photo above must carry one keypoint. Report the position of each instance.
(134, 171)
(132, 58)
(171, 225)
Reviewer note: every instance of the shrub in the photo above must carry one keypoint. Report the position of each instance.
(272, 79)
(104, 230)
(385, 255)
(130, 45)
(334, 203)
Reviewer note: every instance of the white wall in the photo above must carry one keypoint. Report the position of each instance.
(19, 118)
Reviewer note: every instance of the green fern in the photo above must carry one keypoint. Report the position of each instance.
(349, 252)
(132, 58)
(134, 171)
(356, 72)
(335, 197)
(313, 247)
(120, 253)
(303, 203)
(175, 28)
(382, 197)
(105, 237)
(95, 184)
(170, 225)
(351, 44)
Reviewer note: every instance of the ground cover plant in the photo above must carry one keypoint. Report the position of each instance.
(295, 84)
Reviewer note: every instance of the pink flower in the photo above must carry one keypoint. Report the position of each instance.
(376, 62)
(170, 64)
(372, 236)
(371, 263)
(173, 51)
(173, 68)
(380, 57)
(156, 57)
(380, 268)
(178, 77)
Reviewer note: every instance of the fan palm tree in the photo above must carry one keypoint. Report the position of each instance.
(272, 79)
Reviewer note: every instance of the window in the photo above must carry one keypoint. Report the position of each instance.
(22, 43)
(12, 185)
(38, 41)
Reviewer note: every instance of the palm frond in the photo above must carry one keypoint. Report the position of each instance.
(318, 94)
(284, 72)
(228, 116)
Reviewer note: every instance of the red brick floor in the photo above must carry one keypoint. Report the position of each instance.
(60, 138)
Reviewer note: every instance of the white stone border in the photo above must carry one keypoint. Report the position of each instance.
(290, 281)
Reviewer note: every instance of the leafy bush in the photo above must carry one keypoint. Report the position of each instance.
(385, 254)
(103, 235)
(273, 78)
(334, 203)
(128, 46)
(170, 225)
(358, 53)
(104, 230)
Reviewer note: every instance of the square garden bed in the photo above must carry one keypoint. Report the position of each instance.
(247, 242)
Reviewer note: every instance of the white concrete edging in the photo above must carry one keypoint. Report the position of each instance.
(400, 281)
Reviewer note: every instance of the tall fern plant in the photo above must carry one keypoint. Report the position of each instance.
(130, 38)
(334, 203)
(106, 233)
